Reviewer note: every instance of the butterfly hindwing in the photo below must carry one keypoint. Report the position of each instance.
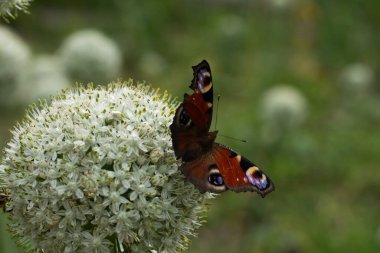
(202, 172)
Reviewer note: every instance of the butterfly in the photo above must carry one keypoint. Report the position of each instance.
(210, 166)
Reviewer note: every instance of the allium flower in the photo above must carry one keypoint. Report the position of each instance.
(357, 77)
(43, 77)
(9, 8)
(14, 56)
(282, 107)
(94, 171)
(89, 56)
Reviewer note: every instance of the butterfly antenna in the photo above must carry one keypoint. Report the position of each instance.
(217, 109)
(232, 138)
(216, 122)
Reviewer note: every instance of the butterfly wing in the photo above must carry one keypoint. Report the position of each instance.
(203, 173)
(192, 119)
(238, 173)
(223, 169)
(199, 104)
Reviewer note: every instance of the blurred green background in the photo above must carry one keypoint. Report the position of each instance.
(298, 80)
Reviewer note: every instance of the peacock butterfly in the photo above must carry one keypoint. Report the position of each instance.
(210, 166)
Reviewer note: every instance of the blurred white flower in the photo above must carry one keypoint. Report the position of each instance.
(377, 236)
(231, 26)
(357, 77)
(9, 8)
(152, 63)
(43, 77)
(89, 56)
(85, 174)
(14, 57)
(282, 107)
(282, 4)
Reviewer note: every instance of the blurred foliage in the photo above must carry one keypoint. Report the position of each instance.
(326, 171)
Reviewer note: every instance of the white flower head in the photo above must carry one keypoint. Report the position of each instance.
(357, 77)
(94, 171)
(282, 107)
(9, 8)
(90, 56)
(14, 57)
(43, 77)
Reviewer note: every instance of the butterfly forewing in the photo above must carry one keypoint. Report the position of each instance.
(193, 117)
(239, 173)
(202, 97)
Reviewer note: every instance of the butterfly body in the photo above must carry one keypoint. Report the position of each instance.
(210, 166)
